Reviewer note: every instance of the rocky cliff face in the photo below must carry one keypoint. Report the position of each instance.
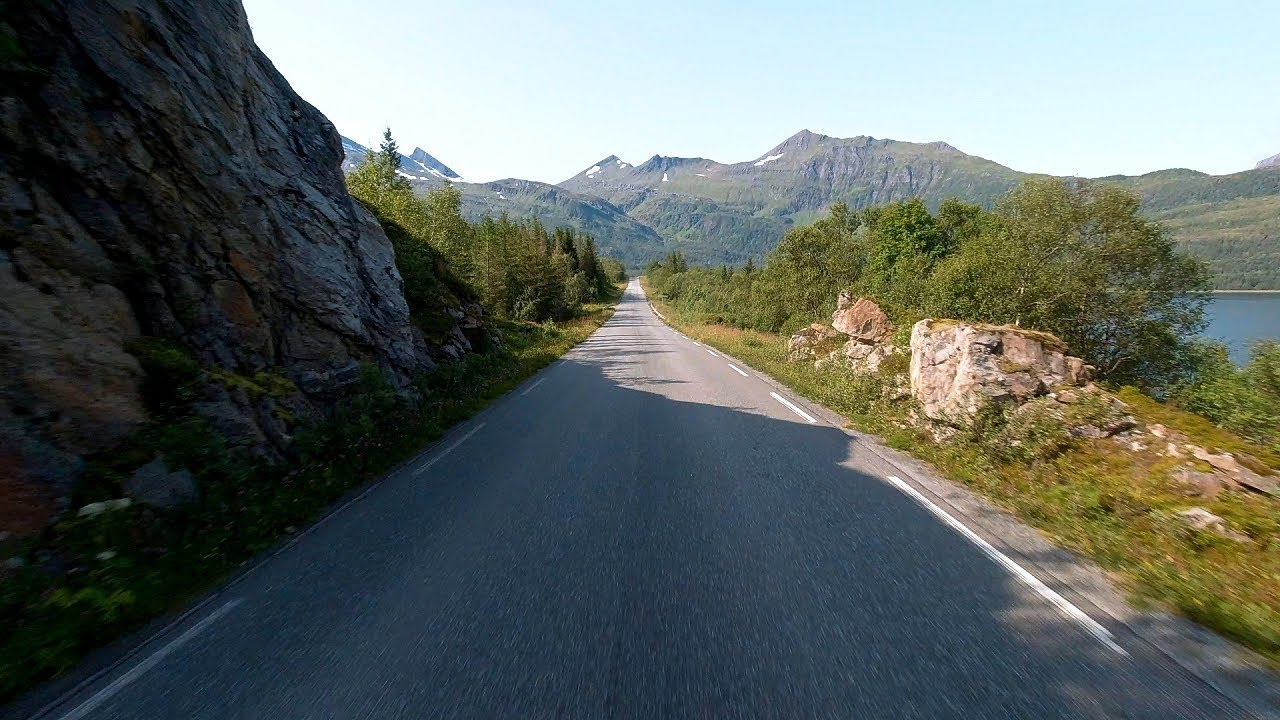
(158, 177)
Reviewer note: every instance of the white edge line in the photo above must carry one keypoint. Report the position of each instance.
(138, 670)
(713, 352)
(738, 370)
(447, 450)
(793, 407)
(1090, 625)
(535, 384)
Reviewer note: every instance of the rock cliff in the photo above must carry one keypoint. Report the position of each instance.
(158, 177)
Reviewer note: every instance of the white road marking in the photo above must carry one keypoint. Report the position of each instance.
(535, 384)
(1090, 625)
(738, 370)
(447, 450)
(793, 407)
(713, 352)
(138, 670)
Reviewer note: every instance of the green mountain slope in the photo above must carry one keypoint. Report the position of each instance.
(616, 234)
(718, 212)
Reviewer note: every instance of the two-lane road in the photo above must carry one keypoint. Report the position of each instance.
(645, 529)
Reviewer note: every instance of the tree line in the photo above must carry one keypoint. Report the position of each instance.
(1069, 257)
(518, 268)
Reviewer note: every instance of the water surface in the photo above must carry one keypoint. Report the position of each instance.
(1240, 319)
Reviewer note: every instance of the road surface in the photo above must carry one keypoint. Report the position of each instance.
(643, 530)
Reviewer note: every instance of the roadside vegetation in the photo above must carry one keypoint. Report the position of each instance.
(517, 268)
(1075, 260)
(106, 570)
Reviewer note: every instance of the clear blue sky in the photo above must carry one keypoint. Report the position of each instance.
(541, 90)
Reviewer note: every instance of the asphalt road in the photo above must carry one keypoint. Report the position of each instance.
(641, 531)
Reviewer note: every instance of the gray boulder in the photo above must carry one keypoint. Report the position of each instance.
(155, 485)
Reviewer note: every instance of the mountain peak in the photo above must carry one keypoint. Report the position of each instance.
(802, 140)
(613, 162)
(418, 165)
(1271, 162)
(432, 165)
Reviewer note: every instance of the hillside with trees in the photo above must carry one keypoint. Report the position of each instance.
(724, 213)
(519, 269)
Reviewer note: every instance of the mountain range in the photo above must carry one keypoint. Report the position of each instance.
(617, 234)
(727, 212)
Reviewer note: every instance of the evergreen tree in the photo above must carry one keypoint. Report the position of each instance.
(389, 152)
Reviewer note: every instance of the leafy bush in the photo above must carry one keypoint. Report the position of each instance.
(1245, 401)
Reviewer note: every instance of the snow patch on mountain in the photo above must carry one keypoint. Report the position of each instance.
(768, 158)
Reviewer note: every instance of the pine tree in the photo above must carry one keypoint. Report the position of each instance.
(388, 151)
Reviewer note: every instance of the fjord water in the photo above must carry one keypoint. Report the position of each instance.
(1240, 319)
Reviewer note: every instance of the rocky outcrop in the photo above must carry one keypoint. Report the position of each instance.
(869, 332)
(814, 342)
(1043, 426)
(1207, 472)
(1202, 520)
(958, 369)
(861, 319)
(863, 358)
(158, 177)
(857, 339)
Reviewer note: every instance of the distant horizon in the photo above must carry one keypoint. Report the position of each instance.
(407, 148)
(507, 89)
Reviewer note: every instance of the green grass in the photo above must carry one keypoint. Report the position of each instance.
(1107, 503)
(108, 574)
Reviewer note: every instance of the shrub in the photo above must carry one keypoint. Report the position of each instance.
(1244, 401)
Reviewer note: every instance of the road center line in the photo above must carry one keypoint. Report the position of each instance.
(535, 384)
(738, 370)
(141, 668)
(1090, 625)
(793, 407)
(447, 450)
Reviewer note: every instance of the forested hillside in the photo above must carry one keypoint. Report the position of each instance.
(617, 234)
(519, 269)
(716, 213)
